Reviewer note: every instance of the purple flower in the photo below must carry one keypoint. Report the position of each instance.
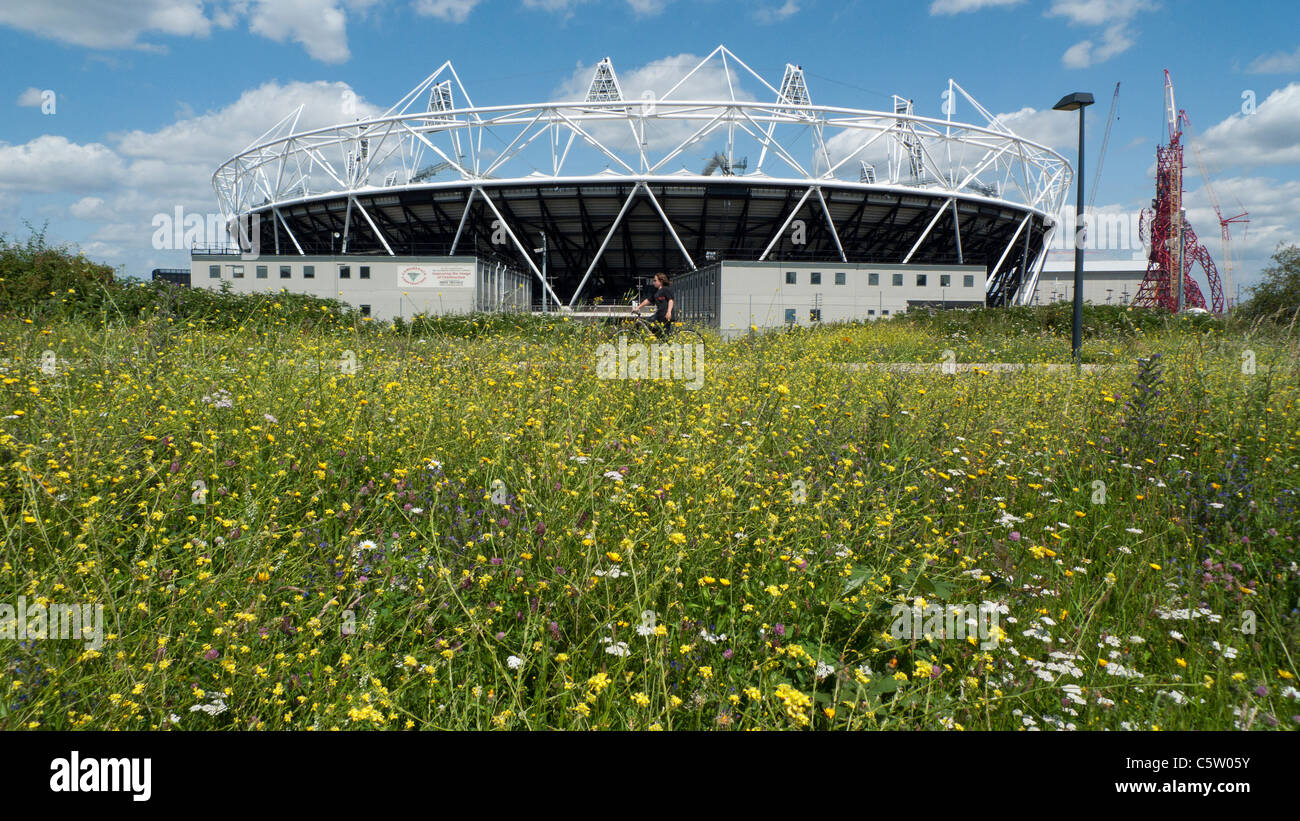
(495, 560)
(779, 629)
(1261, 690)
(936, 671)
(211, 654)
(1015, 536)
(727, 654)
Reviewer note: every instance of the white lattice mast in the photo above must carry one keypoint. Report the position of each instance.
(604, 86)
(794, 88)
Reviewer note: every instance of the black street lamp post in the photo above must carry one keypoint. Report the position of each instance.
(1072, 102)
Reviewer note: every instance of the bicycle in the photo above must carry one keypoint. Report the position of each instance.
(638, 327)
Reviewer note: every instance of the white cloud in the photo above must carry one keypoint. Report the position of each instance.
(960, 6)
(90, 208)
(30, 98)
(319, 25)
(642, 8)
(451, 11)
(118, 24)
(120, 185)
(53, 163)
(1267, 137)
(1054, 129)
(1279, 63)
(768, 14)
(1116, 38)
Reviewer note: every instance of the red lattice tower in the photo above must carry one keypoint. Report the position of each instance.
(1174, 246)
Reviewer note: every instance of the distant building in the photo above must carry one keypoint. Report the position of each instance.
(1105, 281)
(176, 276)
(382, 287)
(732, 296)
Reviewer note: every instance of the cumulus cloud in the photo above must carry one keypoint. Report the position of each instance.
(119, 24)
(1267, 137)
(31, 97)
(318, 25)
(53, 163)
(451, 11)
(1054, 129)
(775, 14)
(960, 6)
(1280, 63)
(642, 8)
(1117, 36)
(121, 184)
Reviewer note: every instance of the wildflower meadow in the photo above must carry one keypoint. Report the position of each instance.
(292, 518)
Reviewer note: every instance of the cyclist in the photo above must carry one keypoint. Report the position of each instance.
(665, 305)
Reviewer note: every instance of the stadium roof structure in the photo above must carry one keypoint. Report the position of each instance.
(625, 186)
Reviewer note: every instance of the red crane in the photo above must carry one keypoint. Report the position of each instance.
(1174, 248)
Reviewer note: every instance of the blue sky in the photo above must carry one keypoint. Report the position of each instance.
(150, 95)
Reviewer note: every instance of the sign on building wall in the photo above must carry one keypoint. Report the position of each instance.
(436, 275)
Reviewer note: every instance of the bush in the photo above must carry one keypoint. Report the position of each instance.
(1278, 296)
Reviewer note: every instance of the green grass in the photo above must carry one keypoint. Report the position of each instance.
(373, 548)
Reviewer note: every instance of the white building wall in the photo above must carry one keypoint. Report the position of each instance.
(1105, 282)
(757, 293)
(389, 286)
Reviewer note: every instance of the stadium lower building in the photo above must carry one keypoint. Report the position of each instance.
(739, 188)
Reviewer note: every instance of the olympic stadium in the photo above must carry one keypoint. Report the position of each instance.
(564, 204)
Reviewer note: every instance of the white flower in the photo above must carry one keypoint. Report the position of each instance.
(514, 662)
(612, 573)
(268, 417)
(613, 475)
(213, 708)
(616, 648)
(367, 545)
(823, 670)
(1135, 531)
(712, 638)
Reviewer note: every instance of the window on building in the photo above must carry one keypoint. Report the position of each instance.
(365, 310)
(968, 281)
(790, 277)
(814, 314)
(884, 313)
(839, 278)
(237, 271)
(309, 272)
(790, 317)
(897, 279)
(285, 271)
(920, 280)
(871, 312)
(815, 278)
(945, 280)
(873, 279)
(214, 272)
(345, 272)
(261, 272)
(365, 272)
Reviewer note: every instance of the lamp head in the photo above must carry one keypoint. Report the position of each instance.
(1074, 102)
